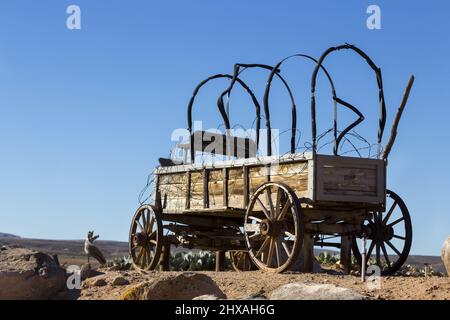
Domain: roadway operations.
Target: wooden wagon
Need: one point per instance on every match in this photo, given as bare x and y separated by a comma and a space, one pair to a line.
270, 212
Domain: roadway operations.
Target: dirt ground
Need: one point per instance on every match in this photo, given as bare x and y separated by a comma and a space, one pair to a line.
244, 284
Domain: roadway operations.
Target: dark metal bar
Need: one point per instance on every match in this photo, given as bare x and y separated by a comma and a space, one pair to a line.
382, 119
294, 111
222, 110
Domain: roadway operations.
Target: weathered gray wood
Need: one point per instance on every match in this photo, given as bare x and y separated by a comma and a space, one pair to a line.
205, 189
220, 261
346, 253
308, 253
225, 187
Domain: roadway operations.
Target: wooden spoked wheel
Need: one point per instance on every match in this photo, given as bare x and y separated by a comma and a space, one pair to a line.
241, 261
389, 236
145, 239
273, 227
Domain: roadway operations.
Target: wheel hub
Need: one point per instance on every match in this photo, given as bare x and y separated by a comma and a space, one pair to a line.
140, 238
269, 227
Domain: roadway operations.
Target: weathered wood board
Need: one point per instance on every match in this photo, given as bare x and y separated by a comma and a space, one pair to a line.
321, 179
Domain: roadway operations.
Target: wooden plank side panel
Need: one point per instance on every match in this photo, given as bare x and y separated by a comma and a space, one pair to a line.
346, 179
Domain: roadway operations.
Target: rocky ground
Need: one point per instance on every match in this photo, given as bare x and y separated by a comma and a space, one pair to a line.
238, 285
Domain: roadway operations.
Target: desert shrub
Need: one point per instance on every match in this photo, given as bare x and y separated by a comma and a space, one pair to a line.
123, 263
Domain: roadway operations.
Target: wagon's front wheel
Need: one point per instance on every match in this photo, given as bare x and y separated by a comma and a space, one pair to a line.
389, 236
273, 227
145, 239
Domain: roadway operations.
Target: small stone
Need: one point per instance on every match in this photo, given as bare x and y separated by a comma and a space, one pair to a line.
206, 297
99, 282
85, 271
120, 281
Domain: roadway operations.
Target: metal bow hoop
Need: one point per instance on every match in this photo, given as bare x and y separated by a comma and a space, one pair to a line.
238, 69
294, 113
382, 119
223, 113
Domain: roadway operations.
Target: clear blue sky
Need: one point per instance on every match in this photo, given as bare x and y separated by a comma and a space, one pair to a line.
84, 114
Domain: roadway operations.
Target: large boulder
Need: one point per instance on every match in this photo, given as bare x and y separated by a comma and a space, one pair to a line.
185, 286
27, 274
445, 255
314, 291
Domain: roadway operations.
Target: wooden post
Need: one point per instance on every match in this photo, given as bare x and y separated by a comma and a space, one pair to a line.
220, 261
308, 253
205, 188
225, 187
246, 185
188, 190
346, 253
165, 257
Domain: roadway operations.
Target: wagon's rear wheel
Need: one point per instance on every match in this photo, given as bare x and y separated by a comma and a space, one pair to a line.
273, 227
241, 261
389, 236
145, 239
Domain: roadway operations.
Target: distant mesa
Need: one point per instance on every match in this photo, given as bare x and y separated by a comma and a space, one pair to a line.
8, 235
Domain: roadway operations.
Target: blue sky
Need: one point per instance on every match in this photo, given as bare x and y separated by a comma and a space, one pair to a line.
84, 114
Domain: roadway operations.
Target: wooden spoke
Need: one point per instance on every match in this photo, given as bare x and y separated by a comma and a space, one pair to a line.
386, 219
378, 247
139, 224
144, 221
290, 235
286, 249
369, 252
150, 225
270, 253
270, 202
263, 247
399, 237
393, 248
396, 221
254, 218
278, 202
267, 213
277, 252
285, 210
386, 256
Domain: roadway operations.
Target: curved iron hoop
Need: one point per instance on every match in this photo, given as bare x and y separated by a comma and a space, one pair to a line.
294, 113
274, 71
382, 119
224, 115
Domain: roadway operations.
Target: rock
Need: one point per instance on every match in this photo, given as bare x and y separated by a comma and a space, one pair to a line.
120, 281
86, 271
27, 274
98, 282
185, 286
299, 264
302, 291
206, 297
445, 255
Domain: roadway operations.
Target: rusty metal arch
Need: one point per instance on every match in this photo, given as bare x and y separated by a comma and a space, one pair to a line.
237, 72
223, 114
294, 112
382, 117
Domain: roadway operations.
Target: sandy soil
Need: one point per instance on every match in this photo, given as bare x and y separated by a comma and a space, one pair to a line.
238, 285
